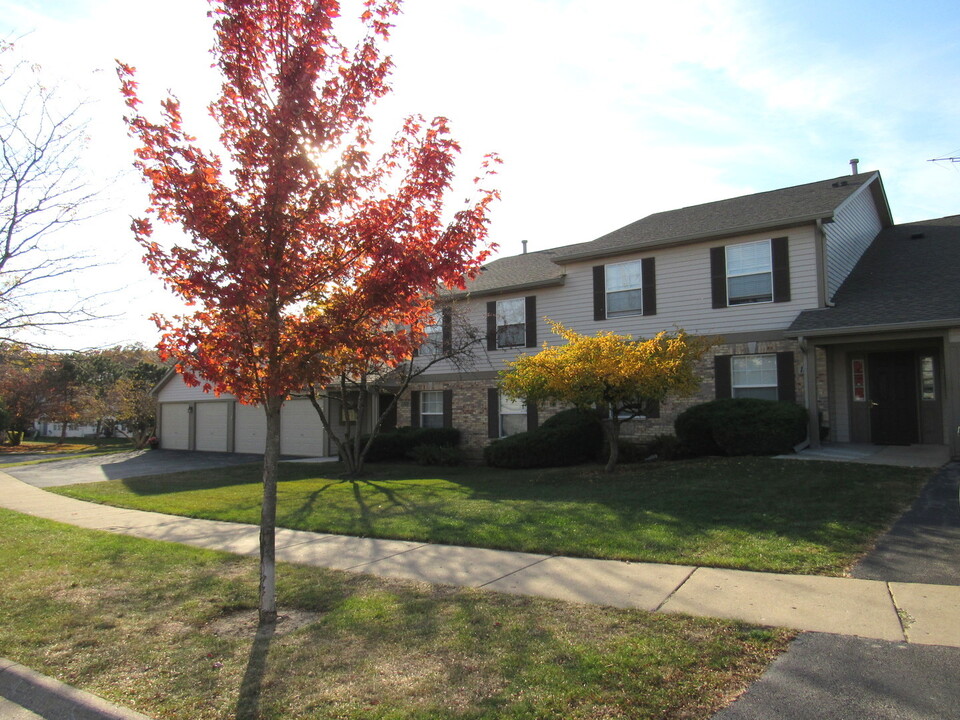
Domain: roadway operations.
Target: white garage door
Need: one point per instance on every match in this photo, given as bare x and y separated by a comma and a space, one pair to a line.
251, 429
175, 426
301, 432
211, 428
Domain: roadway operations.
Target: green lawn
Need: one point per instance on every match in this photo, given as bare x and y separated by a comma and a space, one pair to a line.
748, 513
170, 630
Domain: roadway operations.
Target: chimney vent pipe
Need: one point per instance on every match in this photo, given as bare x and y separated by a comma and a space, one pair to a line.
524, 246
853, 166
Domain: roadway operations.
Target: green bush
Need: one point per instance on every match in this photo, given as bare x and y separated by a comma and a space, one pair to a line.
668, 447
396, 445
632, 452
742, 426
570, 437
436, 455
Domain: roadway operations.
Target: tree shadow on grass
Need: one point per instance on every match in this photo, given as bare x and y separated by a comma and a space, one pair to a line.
248, 703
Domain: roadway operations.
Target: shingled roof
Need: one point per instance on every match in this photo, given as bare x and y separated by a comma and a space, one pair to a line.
724, 218
517, 272
908, 277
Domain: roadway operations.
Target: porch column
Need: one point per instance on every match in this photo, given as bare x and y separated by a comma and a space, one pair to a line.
951, 405
809, 351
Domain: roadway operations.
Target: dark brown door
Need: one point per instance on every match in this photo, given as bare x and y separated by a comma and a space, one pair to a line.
893, 398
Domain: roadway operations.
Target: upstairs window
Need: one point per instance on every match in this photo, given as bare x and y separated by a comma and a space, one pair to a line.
433, 344
512, 323
624, 286
749, 273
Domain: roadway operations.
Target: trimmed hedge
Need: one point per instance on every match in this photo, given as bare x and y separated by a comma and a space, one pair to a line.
741, 426
570, 437
394, 445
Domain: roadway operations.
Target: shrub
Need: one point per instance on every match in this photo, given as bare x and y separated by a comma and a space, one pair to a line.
742, 426
632, 452
570, 437
436, 455
668, 447
394, 445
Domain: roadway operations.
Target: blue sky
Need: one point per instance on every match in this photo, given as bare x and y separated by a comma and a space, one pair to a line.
604, 111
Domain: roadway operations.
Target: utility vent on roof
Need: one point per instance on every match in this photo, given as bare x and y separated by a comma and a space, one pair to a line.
917, 236
840, 183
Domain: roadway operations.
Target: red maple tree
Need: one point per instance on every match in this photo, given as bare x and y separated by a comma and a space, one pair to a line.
304, 249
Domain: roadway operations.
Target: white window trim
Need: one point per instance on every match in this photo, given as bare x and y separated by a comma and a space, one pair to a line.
776, 380
523, 304
607, 291
729, 275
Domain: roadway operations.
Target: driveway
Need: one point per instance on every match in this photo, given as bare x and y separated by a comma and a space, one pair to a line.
134, 463
832, 677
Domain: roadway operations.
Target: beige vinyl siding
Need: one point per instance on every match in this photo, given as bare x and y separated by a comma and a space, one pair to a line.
683, 299
856, 223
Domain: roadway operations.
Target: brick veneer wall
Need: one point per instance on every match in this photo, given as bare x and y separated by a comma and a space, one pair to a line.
470, 398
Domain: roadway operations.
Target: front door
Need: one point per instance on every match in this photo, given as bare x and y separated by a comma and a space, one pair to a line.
893, 398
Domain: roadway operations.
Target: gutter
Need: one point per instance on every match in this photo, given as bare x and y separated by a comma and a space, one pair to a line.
552, 282
889, 327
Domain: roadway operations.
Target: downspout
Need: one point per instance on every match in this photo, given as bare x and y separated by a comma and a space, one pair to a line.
822, 260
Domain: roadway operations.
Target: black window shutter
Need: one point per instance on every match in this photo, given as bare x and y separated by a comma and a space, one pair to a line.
786, 387
648, 270
415, 408
718, 276
780, 252
448, 408
530, 319
493, 413
652, 408
446, 320
533, 421
492, 325
721, 376
599, 293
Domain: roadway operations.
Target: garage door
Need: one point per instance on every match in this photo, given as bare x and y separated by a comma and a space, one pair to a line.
301, 432
175, 426
211, 428
251, 429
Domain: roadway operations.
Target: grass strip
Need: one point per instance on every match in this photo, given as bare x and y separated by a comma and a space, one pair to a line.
747, 513
170, 631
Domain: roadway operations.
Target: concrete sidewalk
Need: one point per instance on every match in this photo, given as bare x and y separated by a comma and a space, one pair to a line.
894, 611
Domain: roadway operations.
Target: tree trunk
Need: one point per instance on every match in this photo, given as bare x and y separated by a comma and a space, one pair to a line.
611, 428
268, 515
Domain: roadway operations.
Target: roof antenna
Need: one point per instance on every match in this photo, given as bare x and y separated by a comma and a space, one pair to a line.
853, 165
524, 246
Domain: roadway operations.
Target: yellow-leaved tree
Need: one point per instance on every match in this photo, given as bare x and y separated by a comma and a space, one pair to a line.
615, 374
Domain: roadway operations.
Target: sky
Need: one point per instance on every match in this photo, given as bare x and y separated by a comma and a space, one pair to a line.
603, 111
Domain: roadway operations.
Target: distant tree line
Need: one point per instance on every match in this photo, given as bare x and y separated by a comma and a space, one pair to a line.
108, 390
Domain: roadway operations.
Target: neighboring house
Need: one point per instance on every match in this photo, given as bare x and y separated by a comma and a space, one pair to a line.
813, 294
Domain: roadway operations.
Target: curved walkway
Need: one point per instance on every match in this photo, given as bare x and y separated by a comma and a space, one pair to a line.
894, 611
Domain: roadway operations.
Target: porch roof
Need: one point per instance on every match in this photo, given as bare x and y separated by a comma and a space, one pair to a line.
909, 277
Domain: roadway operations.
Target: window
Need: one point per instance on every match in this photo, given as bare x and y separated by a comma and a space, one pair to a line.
749, 273
431, 409
928, 382
624, 285
511, 323
513, 417
433, 344
754, 376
